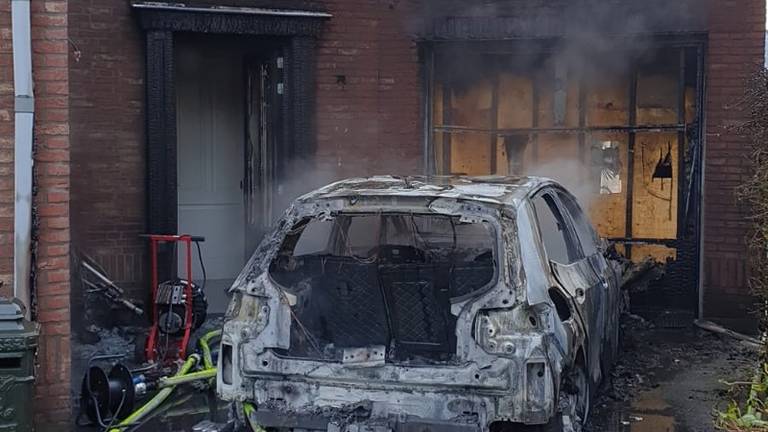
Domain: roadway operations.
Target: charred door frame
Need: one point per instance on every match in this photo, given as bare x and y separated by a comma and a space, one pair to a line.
160, 21
689, 222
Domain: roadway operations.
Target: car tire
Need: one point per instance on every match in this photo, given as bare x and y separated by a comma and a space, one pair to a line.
580, 379
558, 423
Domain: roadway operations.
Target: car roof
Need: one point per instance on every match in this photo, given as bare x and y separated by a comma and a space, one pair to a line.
499, 190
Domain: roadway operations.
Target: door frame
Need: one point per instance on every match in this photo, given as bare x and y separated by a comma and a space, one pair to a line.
160, 22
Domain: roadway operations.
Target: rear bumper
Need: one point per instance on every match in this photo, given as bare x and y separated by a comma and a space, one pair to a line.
392, 398
320, 422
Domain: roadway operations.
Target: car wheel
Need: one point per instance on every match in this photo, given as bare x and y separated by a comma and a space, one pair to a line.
573, 407
582, 399
575, 400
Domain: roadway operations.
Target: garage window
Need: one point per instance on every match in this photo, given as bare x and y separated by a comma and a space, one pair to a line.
619, 128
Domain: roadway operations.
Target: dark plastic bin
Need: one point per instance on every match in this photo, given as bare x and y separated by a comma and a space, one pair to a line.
18, 345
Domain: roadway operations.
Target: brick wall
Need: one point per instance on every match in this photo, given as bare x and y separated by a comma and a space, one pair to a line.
6, 150
52, 169
371, 124
108, 149
736, 49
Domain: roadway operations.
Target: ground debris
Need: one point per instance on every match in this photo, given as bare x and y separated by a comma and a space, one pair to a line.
675, 374
639, 276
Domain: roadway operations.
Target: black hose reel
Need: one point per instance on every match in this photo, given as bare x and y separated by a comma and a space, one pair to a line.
105, 398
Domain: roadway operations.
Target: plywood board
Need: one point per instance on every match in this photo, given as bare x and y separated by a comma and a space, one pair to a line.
608, 103
654, 208
515, 100
657, 97
659, 253
471, 107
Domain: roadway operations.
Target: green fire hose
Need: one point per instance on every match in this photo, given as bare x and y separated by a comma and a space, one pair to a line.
168, 384
203, 342
186, 378
248, 410
157, 400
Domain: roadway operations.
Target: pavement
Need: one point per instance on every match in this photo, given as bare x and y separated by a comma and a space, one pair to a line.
669, 380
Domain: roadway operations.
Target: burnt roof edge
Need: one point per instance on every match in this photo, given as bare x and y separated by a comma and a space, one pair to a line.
178, 17
181, 7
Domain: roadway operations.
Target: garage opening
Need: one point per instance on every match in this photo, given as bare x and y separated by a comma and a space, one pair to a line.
621, 129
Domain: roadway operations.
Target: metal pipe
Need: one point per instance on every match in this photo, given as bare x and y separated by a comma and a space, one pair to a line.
24, 118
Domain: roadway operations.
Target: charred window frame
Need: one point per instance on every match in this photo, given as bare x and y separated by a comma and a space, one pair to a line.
442, 125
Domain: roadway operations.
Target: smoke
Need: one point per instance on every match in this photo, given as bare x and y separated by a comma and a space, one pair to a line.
301, 176
559, 43
572, 175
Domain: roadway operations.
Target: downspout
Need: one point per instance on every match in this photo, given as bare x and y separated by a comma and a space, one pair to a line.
24, 108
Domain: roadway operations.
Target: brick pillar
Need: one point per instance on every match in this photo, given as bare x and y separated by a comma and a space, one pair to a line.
736, 50
52, 281
6, 150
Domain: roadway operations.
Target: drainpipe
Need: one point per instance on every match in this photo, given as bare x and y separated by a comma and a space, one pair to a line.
22, 168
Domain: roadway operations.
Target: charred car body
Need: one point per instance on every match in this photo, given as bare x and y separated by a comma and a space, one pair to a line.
449, 303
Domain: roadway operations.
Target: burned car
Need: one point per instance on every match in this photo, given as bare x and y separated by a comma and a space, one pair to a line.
434, 303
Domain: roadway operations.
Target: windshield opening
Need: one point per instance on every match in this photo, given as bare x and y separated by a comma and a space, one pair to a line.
363, 280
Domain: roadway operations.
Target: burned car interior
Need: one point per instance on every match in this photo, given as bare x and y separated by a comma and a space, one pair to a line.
385, 279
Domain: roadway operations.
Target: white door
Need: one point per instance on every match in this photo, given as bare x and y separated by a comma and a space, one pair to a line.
211, 131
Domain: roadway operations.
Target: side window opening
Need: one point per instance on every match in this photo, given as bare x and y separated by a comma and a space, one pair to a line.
587, 236
360, 236
558, 242
313, 239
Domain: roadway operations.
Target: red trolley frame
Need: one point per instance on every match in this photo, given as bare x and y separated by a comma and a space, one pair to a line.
150, 350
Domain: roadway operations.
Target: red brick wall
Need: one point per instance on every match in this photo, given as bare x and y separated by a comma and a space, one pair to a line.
736, 47
50, 66
6, 150
107, 129
370, 125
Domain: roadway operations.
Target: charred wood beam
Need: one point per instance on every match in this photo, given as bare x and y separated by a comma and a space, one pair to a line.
426, 66
161, 142
494, 124
631, 160
561, 130
582, 118
534, 138
681, 146
183, 19
671, 243
447, 118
